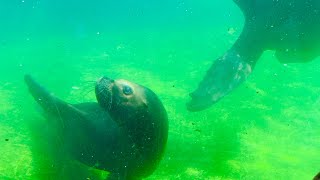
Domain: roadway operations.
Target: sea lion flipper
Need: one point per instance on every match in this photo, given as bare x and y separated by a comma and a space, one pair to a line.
51, 104
226, 73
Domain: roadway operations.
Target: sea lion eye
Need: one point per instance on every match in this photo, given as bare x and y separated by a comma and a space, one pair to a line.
127, 90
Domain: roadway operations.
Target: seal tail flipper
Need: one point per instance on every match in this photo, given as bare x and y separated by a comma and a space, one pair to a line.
317, 177
46, 100
228, 71
225, 74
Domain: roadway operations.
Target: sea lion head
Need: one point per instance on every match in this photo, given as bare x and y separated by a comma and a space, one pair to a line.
127, 101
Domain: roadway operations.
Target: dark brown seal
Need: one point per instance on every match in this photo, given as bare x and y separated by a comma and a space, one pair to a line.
124, 133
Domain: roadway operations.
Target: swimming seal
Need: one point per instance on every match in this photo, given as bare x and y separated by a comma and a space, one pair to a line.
125, 133
290, 27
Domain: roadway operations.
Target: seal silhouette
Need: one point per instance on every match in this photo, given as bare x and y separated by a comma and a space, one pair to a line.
289, 27
125, 132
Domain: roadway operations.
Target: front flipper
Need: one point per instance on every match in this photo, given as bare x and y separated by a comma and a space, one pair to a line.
47, 101
230, 70
225, 74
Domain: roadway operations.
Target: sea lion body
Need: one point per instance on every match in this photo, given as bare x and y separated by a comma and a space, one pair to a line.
128, 140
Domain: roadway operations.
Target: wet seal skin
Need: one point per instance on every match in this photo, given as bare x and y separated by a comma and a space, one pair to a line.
124, 133
317, 177
291, 28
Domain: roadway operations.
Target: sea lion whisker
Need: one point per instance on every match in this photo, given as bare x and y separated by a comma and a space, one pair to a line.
101, 91
59, 114
87, 84
110, 101
89, 81
87, 92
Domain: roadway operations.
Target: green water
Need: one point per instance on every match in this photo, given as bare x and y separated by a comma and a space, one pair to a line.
268, 128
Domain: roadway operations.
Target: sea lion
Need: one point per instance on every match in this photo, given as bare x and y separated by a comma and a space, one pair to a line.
290, 27
125, 133
317, 177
